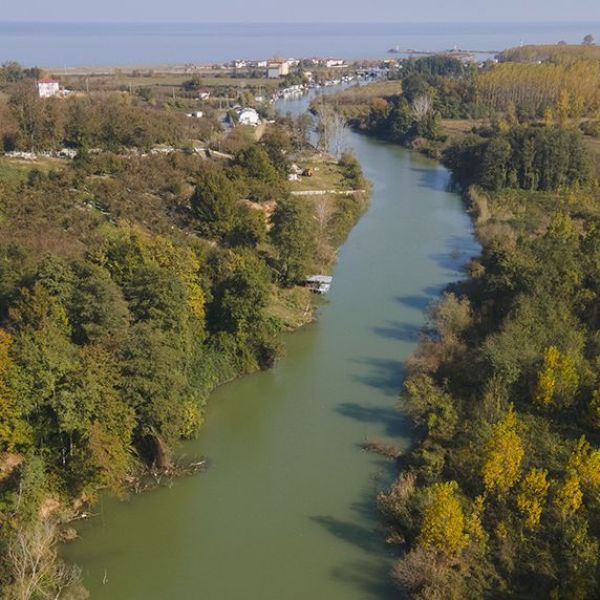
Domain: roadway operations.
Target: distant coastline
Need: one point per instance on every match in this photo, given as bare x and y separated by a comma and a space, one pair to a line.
127, 44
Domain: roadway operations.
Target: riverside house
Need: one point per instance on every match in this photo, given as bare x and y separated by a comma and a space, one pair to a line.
47, 88
278, 69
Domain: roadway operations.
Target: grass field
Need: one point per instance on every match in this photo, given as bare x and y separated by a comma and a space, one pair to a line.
326, 175
593, 145
159, 80
365, 93
459, 127
17, 170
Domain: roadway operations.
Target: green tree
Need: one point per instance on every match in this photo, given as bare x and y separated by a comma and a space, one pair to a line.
98, 309
264, 179
155, 386
495, 164
214, 203
250, 228
294, 238
155, 295
15, 431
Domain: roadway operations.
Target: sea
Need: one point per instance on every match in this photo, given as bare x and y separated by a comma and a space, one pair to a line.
109, 44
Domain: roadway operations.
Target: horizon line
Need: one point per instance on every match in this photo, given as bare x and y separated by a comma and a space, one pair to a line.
326, 23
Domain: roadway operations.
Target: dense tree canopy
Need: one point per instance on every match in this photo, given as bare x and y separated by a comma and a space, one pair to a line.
131, 285
530, 158
499, 494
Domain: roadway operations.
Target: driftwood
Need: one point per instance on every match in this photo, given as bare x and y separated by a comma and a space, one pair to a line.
157, 476
382, 448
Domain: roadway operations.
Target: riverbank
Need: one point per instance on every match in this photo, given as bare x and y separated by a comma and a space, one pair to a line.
499, 491
133, 284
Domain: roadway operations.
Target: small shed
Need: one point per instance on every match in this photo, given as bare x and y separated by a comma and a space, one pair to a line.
320, 284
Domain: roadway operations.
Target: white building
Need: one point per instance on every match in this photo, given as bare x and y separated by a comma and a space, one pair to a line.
204, 94
248, 116
278, 69
334, 62
47, 88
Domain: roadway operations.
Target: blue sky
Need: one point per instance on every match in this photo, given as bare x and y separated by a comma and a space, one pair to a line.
302, 10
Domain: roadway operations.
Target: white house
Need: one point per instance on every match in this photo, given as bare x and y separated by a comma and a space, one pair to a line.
334, 62
248, 116
47, 88
278, 69
204, 94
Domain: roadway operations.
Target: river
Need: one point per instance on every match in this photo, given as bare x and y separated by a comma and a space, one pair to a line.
286, 510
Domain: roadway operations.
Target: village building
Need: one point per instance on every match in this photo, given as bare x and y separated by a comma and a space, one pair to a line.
278, 69
332, 63
47, 88
248, 116
204, 94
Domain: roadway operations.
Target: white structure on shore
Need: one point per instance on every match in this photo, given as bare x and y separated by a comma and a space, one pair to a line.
278, 69
248, 116
332, 63
47, 88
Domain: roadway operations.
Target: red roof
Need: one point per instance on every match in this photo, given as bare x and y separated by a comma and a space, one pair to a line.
47, 81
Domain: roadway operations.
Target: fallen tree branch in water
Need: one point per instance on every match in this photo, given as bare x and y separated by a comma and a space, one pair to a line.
382, 448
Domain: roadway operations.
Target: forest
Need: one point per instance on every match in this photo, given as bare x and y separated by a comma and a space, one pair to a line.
426, 98
499, 496
131, 285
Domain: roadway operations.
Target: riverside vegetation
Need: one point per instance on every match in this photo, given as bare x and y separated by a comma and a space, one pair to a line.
132, 284
500, 494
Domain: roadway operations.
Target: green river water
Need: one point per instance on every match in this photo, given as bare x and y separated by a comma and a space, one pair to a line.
286, 509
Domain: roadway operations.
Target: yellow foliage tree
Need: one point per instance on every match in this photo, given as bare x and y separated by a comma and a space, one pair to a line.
546, 385
14, 430
569, 497
594, 409
443, 526
572, 89
569, 379
473, 525
585, 461
503, 456
548, 117
558, 381
532, 497
563, 105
